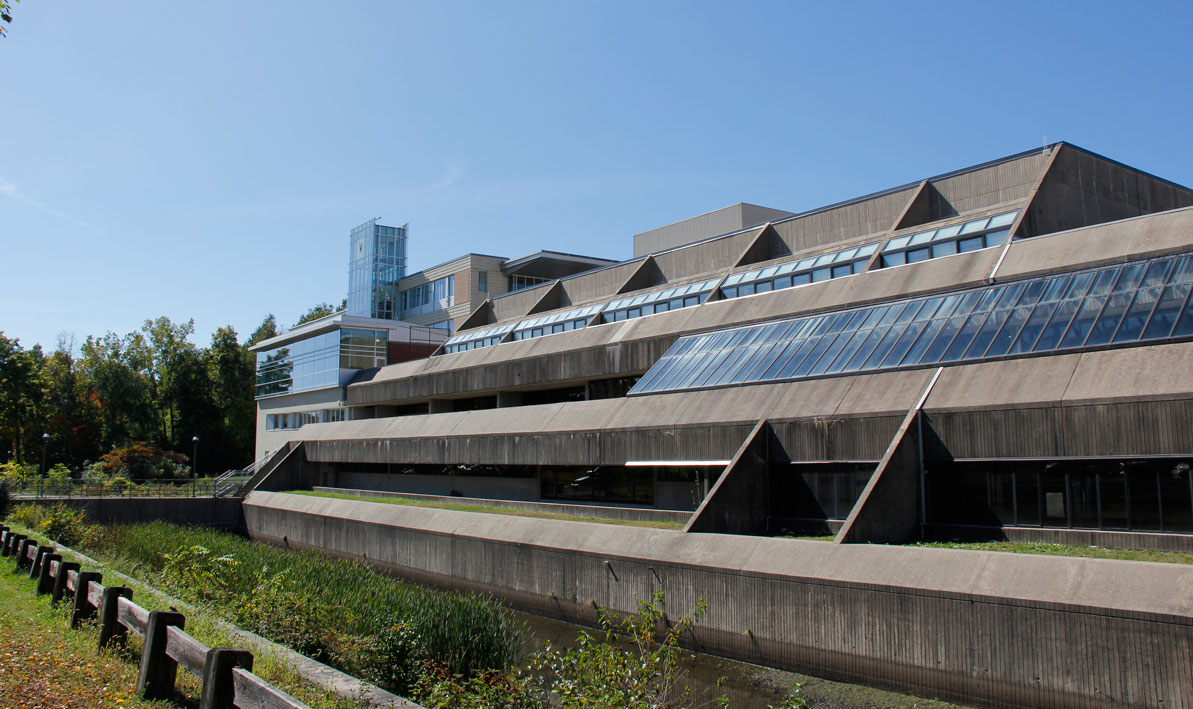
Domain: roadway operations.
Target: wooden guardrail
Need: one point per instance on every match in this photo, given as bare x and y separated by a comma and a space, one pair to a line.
225, 673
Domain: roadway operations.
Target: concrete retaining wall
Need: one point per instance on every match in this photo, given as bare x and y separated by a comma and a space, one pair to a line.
222, 512
986, 628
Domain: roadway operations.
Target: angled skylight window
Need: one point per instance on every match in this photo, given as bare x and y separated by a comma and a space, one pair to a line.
1141, 301
946, 241
797, 273
476, 339
659, 301
556, 322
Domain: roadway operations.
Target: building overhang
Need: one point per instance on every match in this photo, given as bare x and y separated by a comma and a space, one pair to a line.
552, 264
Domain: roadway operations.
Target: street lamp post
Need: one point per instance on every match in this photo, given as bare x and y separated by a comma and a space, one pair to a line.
45, 441
195, 459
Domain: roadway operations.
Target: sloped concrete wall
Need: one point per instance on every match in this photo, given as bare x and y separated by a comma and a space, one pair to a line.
986, 628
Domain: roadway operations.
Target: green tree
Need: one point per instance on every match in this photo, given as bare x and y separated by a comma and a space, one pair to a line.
6, 15
22, 392
114, 381
169, 360
71, 414
232, 369
267, 329
319, 311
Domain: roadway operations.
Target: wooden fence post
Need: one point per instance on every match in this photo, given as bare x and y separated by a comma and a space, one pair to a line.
64, 569
23, 543
109, 629
45, 575
35, 567
218, 691
82, 609
156, 678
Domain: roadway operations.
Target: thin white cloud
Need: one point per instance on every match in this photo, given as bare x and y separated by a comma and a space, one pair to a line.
451, 174
10, 190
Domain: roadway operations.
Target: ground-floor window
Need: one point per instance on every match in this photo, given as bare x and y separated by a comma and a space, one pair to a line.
298, 419
821, 491
1151, 494
632, 485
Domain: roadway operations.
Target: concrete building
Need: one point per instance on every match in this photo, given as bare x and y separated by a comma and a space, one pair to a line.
1003, 351
445, 295
735, 217
998, 351
391, 317
301, 373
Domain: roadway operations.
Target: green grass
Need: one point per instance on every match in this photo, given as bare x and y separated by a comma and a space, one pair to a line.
486, 509
201, 623
45, 663
1169, 557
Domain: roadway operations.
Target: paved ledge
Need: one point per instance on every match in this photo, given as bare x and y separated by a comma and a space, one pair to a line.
1105, 584
632, 514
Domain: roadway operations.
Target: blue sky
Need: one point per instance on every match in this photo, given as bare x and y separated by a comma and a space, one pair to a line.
207, 160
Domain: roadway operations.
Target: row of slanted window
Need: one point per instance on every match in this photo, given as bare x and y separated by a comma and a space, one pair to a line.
975, 234
1141, 301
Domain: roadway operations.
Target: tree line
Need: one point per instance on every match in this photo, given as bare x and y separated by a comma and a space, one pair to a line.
151, 386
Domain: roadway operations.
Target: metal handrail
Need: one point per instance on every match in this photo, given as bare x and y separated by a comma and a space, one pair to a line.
44, 488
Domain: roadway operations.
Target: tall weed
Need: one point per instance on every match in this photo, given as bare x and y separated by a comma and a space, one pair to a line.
316, 603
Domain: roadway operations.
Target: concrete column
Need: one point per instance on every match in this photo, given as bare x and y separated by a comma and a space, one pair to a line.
888, 510
739, 502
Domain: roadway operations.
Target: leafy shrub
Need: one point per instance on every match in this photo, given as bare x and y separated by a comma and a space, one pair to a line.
28, 515
437, 689
393, 658
58, 473
195, 568
141, 461
63, 524
17, 473
602, 673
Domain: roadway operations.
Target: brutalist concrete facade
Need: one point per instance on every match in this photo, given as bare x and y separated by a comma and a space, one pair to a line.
1086, 443
530, 397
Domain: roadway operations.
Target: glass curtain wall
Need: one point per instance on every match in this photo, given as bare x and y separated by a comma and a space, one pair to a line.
316, 362
377, 260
